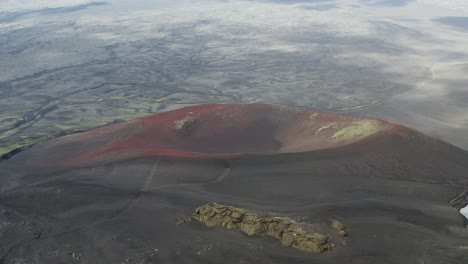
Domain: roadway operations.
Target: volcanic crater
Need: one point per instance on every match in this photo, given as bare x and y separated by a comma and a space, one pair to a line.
115, 193
217, 130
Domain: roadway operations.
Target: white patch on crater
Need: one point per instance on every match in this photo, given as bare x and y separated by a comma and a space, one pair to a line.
182, 123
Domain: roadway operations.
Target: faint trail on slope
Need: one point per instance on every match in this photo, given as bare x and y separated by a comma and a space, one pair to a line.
225, 172
140, 193
219, 178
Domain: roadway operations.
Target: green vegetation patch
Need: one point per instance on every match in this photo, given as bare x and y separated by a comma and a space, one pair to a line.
358, 129
9, 149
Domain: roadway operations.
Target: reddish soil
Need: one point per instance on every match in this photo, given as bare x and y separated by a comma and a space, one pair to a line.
213, 130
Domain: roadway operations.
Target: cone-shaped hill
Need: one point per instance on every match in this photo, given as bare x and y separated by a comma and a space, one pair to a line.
263, 183
215, 131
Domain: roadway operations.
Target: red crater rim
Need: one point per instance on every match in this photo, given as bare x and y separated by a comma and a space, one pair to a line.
219, 130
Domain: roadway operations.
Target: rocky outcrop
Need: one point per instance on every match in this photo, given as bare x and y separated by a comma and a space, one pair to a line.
339, 227
292, 233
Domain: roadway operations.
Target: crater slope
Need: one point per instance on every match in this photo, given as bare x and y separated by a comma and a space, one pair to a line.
125, 193
215, 130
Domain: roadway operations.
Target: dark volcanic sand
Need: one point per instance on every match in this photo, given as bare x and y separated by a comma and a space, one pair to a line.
114, 195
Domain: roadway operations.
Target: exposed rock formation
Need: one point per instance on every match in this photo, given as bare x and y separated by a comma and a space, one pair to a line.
291, 233
339, 227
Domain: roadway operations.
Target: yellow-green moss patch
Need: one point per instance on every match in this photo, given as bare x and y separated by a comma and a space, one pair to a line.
358, 129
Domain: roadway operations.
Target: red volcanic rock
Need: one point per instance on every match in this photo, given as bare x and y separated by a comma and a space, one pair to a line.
218, 130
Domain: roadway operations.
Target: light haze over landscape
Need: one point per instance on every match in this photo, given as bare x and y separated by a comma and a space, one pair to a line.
234, 131
69, 66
